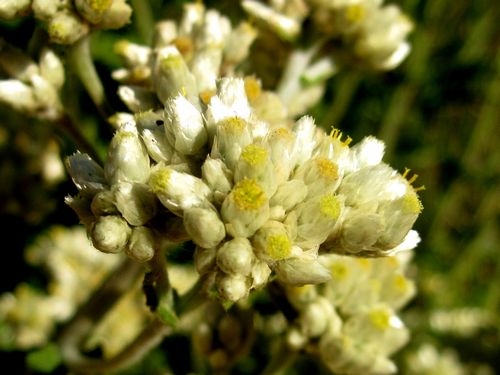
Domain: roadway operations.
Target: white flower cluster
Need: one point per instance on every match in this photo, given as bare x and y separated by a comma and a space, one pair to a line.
254, 196
220, 163
75, 269
33, 88
351, 321
190, 55
369, 32
69, 20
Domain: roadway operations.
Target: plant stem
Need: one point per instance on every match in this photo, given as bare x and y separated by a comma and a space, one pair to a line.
144, 19
77, 329
81, 61
149, 338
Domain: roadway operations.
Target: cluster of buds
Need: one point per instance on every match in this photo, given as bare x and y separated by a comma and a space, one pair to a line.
67, 21
351, 322
256, 191
33, 88
75, 269
364, 32
254, 196
188, 56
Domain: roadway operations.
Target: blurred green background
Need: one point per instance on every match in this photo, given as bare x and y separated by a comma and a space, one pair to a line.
439, 114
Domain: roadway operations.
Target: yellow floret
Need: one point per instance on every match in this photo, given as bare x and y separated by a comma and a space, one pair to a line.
330, 206
380, 318
158, 181
254, 155
355, 13
278, 247
327, 168
252, 88
233, 124
248, 195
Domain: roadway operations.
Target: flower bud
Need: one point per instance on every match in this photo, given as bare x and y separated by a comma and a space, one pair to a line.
236, 256
17, 95
135, 201
103, 203
117, 15
66, 28
361, 230
232, 135
232, 287
151, 128
316, 219
184, 126
110, 234
172, 76
128, 159
301, 270
46, 9
272, 242
204, 226
137, 99
12, 8
218, 176
260, 273
92, 10
238, 43
51, 68
320, 175
178, 191
289, 194
286, 27
141, 246
254, 163
315, 317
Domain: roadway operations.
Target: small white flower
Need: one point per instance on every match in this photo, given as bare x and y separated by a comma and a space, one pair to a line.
128, 159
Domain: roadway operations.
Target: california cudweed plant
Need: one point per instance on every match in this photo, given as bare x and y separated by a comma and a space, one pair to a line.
210, 159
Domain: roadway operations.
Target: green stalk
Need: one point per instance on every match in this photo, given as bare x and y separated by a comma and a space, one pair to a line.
80, 59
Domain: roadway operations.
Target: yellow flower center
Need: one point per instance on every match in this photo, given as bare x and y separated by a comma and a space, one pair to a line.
252, 88
330, 206
233, 124
279, 247
254, 155
380, 319
158, 181
339, 271
327, 169
411, 203
100, 6
355, 13
248, 195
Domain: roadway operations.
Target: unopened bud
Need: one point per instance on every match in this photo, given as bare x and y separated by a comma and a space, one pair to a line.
110, 234
117, 15
204, 226
236, 256
232, 287
141, 246
66, 28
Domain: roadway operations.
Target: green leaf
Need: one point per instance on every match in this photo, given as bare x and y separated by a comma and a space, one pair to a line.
45, 359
